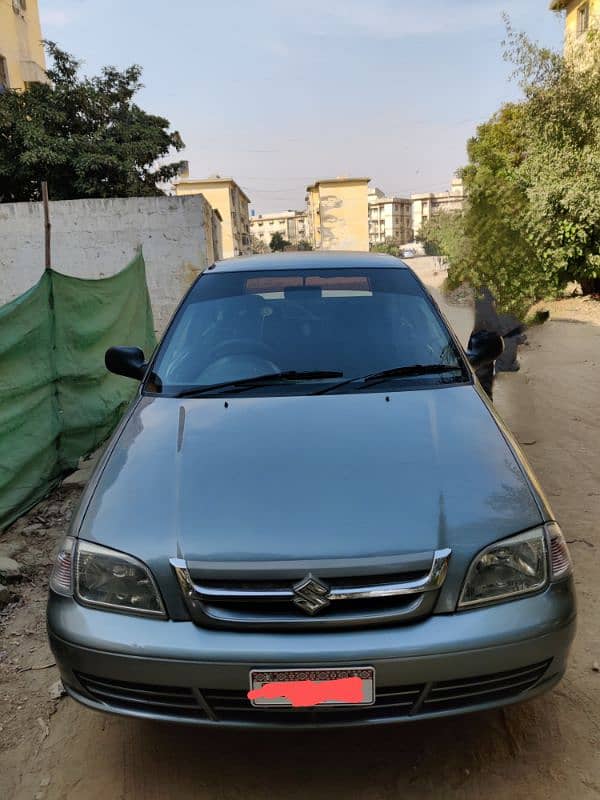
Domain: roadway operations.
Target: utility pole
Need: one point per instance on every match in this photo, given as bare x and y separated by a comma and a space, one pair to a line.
47, 225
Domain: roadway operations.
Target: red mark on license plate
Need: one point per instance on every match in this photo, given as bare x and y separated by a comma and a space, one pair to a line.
304, 694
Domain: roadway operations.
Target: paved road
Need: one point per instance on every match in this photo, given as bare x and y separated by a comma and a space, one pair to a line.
547, 748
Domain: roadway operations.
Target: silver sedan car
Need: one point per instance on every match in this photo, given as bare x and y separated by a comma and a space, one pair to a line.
310, 516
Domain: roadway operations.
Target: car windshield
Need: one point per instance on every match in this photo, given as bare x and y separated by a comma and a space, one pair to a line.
317, 327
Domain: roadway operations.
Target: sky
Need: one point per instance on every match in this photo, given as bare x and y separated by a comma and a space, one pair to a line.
278, 93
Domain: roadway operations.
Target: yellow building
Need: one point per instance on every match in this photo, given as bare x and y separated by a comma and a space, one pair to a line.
226, 197
581, 16
338, 214
21, 52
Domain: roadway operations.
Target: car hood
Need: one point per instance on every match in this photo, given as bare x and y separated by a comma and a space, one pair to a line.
284, 478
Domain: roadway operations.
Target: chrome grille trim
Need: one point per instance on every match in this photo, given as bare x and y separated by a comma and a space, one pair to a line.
209, 603
381, 600
324, 567
431, 582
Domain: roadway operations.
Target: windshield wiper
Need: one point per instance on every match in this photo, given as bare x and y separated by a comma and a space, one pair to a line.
397, 372
261, 380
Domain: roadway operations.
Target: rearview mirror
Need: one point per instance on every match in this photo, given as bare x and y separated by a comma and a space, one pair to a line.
484, 348
127, 361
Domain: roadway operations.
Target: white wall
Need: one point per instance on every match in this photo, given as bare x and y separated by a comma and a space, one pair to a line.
96, 238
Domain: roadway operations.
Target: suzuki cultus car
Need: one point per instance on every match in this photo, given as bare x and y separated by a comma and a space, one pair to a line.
310, 515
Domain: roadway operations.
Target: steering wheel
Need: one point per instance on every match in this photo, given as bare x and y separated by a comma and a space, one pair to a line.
253, 358
238, 346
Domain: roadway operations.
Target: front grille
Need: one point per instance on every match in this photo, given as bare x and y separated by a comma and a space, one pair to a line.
484, 689
234, 706
390, 702
355, 613
177, 701
396, 702
314, 596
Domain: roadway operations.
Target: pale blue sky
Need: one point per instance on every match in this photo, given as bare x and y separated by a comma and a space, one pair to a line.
277, 93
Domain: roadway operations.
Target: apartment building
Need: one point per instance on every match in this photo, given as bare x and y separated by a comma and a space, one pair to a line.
229, 199
390, 218
427, 205
338, 214
22, 58
581, 16
292, 225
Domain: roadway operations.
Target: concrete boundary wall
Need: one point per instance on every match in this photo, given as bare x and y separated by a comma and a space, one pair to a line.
179, 236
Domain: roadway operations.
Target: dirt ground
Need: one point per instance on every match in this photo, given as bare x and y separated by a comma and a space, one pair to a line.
52, 749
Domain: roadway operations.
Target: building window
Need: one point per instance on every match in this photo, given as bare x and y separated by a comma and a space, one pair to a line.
583, 18
4, 84
19, 5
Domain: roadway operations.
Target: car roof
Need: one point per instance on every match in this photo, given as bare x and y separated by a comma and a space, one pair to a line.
314, 259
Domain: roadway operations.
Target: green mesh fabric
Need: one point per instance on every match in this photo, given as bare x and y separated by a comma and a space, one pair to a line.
57, 401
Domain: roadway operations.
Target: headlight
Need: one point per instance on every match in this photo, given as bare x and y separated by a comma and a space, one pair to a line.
507, 569
114, 581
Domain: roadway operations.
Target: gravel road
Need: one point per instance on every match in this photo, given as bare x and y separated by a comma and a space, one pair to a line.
547, 748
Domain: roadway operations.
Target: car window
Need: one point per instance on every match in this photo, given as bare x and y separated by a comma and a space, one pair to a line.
237, 325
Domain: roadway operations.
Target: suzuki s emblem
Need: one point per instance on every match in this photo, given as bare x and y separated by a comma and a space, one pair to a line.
311, 594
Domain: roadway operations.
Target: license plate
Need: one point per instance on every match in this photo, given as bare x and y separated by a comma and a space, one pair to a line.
307, 688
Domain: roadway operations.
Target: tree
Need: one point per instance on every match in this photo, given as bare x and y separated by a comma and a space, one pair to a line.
390, 247
532, 221
443, 235
278, 243
257, 245
489, 245
84, 136
561, 171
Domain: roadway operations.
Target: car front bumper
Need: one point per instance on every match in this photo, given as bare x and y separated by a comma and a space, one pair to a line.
446, 664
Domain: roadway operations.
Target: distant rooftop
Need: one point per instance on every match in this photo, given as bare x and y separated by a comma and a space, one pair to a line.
457, 189
210, 179
338, 179
376, 196
289, 214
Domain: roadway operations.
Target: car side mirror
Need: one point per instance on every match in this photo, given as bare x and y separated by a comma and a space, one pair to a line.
484, 348
127, 361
